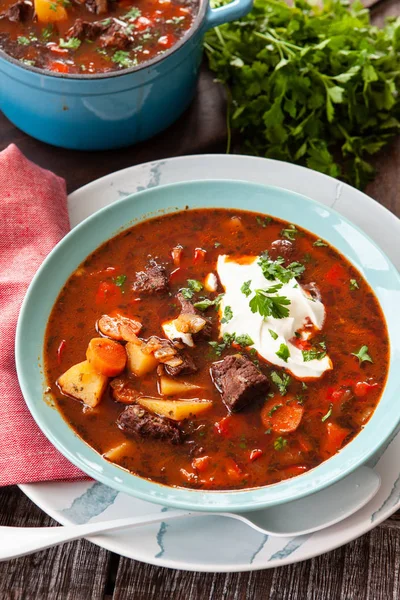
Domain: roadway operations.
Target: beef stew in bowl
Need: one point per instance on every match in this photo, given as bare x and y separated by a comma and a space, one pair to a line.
216, 349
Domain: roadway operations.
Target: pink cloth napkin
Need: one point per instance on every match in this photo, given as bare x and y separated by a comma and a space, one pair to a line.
33, 218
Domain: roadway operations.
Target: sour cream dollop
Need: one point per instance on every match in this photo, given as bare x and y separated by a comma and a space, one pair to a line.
306, 316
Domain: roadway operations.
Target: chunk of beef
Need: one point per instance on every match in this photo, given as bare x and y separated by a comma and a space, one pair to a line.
187, 308
139, 422
153, 280
187, 367
239, 381
115, 36
97, 6
83, 30
20, 12
283, 248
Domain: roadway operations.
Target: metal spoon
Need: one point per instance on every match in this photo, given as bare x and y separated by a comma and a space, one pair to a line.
299, 517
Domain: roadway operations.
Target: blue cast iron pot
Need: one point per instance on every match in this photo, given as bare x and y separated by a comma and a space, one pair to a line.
110, 110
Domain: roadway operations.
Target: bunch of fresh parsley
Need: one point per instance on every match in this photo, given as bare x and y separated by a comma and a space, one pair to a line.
309, 84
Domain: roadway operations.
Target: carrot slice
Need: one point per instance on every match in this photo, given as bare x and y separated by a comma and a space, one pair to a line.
106, 356
282, 418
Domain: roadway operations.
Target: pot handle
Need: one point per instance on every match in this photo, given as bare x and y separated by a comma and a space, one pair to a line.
229, 12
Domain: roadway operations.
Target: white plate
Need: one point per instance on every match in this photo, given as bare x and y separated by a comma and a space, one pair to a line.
220, 544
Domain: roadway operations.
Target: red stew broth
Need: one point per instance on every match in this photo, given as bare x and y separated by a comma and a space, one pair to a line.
153, 27
353, 319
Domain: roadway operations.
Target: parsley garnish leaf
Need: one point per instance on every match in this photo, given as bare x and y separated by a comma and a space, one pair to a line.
280, 443
354, 284
228, 315
313, 354
120, 280
290, 232
282, 382
227, 340
263, 222
71, 44
244, 340
275, 269
363, 355
273, 334
245, 289
269, 306
195, 285
328, 414
319, 242
283, 352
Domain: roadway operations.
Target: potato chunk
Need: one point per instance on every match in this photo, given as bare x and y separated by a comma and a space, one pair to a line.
172, 387
118, 453
177, 410
139, 362
83, 383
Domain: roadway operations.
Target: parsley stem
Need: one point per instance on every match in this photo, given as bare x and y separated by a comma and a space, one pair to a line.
220, 36
228, 120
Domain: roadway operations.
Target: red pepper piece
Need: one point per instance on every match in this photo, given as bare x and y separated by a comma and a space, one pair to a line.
256, 453
176, 254
199, 255
201, 463
108, 292
362, 388
336, 274
223, 426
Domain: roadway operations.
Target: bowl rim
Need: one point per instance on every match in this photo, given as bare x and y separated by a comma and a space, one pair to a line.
182, 497
194, 28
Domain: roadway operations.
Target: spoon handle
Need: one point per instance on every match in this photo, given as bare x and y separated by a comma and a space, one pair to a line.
19, 541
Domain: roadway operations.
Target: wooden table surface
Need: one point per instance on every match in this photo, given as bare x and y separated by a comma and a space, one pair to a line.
368, 568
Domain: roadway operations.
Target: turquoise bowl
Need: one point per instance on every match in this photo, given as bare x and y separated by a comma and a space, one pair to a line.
91, 233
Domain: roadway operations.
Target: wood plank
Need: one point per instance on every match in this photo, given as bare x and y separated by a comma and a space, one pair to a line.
74, 571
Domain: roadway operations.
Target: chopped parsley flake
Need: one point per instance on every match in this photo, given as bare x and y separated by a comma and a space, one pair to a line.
134, 13
280, 443
263, 222
217, 244
313, 354
120, 280
228, 315
204, 304
319, 242
274, 409
245, 289
24, 41
244, 340
363, 355
328, 414
227, 340
290, 232
354, 284
195, 285
283, 352
71, 44
273, 334
47, 32
122, 58
275, 269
